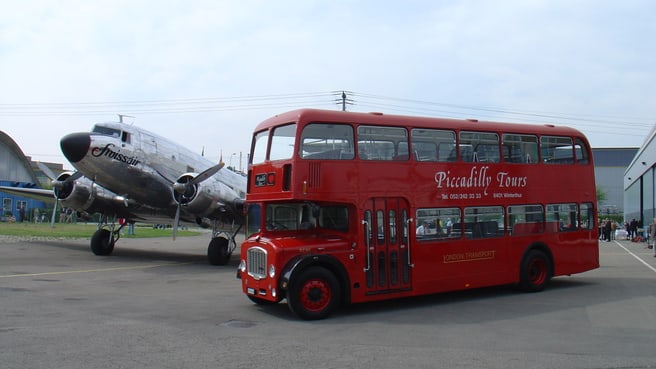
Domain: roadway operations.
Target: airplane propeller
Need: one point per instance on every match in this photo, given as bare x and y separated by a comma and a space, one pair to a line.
57, 186
176, 220
183, 188
186, 190
161, 170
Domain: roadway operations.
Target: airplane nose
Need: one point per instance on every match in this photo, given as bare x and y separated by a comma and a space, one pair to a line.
75, 146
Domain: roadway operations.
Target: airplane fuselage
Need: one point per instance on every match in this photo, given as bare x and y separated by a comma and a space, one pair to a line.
127, 173
137, 165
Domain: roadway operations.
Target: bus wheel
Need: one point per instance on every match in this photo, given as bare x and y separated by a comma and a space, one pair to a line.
314, 294
535, 271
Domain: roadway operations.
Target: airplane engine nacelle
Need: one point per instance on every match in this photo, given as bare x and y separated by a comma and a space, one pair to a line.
198, 198
76, 194
204, 199
82, 195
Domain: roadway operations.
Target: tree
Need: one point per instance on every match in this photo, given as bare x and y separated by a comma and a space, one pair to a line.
601, 195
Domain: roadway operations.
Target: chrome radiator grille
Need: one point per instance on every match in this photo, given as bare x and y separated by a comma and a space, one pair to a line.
256, 262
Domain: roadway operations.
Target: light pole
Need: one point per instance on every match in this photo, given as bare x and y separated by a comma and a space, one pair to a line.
231, 155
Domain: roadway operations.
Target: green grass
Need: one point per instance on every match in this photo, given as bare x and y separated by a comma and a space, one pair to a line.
83, 230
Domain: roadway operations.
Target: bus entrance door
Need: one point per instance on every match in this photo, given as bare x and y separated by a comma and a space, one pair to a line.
388, 256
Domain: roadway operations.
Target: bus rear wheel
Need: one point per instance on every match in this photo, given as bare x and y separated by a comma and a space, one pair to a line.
315, 294
535, 271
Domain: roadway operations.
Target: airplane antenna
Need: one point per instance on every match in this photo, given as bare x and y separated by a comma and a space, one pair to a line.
120, 117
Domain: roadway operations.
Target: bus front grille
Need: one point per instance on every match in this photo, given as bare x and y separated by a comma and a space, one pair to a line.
256, 262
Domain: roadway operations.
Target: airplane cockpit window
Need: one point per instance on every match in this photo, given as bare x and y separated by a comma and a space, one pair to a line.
107, 131
125, 137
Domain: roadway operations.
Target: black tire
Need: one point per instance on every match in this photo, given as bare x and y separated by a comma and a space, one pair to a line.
217, 251
314, 294
101, 243
535, 271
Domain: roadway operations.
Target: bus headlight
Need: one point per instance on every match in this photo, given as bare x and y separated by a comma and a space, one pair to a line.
242, 266
272, 271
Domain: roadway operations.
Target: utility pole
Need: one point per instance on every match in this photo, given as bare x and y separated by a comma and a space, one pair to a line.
344, 101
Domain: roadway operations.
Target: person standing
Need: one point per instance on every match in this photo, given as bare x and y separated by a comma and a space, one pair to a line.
627, 228
607, 228
21, 213
633, 229
613, 228
652, 243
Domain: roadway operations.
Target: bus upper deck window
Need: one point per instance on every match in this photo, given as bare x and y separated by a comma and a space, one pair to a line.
260, 142
479, 147
282, 142
433, 145
327, 141
520, 149
557, 150
382, 143
581, 152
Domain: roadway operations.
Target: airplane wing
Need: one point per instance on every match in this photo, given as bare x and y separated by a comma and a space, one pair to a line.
86, 197
40, 194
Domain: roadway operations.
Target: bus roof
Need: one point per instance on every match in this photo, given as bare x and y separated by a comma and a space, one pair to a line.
415, 121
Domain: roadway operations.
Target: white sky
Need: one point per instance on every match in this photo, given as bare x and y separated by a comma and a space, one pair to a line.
205, 73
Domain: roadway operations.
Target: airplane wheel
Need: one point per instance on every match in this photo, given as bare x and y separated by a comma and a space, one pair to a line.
101, 243
217, 251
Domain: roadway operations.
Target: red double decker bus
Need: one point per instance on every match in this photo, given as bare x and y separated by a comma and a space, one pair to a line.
351, 207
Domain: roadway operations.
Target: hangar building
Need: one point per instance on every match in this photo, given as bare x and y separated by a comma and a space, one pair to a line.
17, 170
610, 164
639, 183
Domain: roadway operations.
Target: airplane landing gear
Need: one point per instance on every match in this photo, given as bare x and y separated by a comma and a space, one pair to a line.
102, 242
220, 249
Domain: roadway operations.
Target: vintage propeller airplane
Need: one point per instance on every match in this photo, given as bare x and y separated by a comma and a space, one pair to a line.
125, 172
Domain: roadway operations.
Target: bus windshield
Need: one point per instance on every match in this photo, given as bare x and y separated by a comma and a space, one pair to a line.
302, 216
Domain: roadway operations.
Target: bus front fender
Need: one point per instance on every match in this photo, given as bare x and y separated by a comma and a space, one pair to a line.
299, 263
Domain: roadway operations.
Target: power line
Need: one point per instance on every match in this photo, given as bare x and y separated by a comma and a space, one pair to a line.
567, 116
631, 126
195, 105
324, 99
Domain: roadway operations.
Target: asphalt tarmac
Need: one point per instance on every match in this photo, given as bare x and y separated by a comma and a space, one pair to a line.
156, 303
